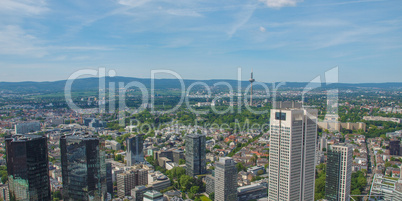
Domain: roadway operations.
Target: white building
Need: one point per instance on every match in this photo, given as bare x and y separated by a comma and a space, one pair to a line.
292, 154
27, 127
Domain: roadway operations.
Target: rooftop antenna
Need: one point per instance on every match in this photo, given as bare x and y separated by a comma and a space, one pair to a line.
251, 91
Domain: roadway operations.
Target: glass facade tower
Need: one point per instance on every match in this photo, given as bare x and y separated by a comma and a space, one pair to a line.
83, 167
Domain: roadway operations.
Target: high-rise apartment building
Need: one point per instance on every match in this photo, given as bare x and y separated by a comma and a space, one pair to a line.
339, 173
195, 154
130, 179
292, 154
225, 180
135, 149
27, 167
27, 127
83, 167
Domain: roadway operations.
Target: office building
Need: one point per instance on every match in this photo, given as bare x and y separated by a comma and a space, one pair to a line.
153, 196
4, 194
394, 147
83, 167
27, 167
210, 183
130, 179
339, 173
225, 180
292, 154
27, 127
135, 152
109, 179
138, 193
195, 155
252, 192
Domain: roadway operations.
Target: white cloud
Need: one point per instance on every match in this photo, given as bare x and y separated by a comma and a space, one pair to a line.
14, 41
280, 3
262, 29
28, 7
132, 3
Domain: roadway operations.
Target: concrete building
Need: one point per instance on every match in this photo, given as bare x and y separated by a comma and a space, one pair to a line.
210, 184
138, 193
153, 196
195, 155
339, 172
292, 154
27, 127
135, 149
225, 180
252, 192
4, 194
338, 126
128, 180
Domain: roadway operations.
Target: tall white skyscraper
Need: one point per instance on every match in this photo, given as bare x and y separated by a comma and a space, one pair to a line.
339, 172
225, 180
292, 154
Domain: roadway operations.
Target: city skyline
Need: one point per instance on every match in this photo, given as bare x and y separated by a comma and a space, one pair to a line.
291, 40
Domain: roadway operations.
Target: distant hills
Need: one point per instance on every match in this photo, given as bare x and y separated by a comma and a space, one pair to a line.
91, 84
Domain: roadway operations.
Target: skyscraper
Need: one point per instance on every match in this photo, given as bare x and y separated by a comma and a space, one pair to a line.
195, 154
83, 167
135, 152
109, 179
27, 167
339, 173
225, 180
394, 147
292, 154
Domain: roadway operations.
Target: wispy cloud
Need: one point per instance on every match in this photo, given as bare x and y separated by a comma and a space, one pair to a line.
15, 41
24, 7
280, 3
241, 18
347, 2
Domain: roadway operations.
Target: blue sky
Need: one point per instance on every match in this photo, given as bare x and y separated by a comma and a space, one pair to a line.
282, 40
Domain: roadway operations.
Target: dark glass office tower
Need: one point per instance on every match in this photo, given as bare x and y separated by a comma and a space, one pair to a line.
195, 155
332, 174
109, 178
394, 147
339, 172
83, 167
135, 149
27, 167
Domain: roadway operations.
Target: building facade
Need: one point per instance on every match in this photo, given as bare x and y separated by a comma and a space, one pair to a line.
129, 180
225, 180
27, 167
338, 173
195, 155
27, 127
153, 196
292, 154
83, 167
395, 147
135, 149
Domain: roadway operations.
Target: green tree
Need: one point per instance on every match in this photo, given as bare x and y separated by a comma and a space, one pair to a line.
194, 189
